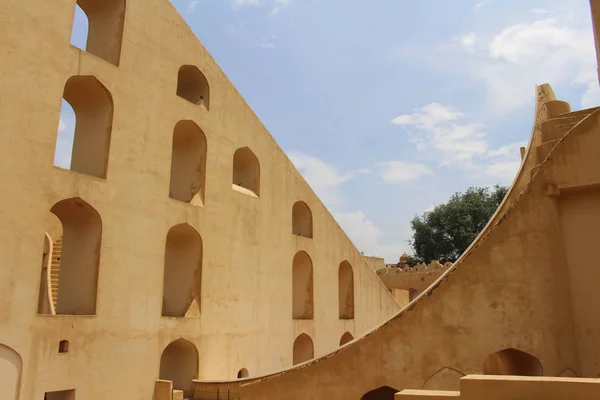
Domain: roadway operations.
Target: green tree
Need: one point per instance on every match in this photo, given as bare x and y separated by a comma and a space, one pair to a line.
445, 232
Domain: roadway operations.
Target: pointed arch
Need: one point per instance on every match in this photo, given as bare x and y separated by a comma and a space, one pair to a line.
382, 393
183, 272
303, 349
346, 337
92, 105
75, 260
444, 379
193, 86
302, 222
179, 364
512, 362
188, 163
346, 290
302, 287
246, 170
568, 372
106, 20
11, 365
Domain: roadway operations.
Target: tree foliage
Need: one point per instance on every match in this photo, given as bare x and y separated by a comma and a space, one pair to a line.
445, 232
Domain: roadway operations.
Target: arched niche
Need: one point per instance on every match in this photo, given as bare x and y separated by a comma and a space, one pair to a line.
183, 272
302, 222
179, 364
11, 366
346, 337
412, 294
444, 379
346, 291
246, 170
188, 163
302, 287
242, 373
75, 260
512, 362
303, 349
193, 86
382, 393
92, 105
106, 20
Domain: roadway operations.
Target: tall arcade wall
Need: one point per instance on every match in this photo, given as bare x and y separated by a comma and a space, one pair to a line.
181, 218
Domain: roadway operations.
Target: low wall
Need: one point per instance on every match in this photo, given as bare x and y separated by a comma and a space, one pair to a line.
490, 387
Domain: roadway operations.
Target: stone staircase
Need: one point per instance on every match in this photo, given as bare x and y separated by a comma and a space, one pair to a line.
561, 121
55, 270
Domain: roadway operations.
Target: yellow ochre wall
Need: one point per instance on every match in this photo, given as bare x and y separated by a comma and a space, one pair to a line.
247, 242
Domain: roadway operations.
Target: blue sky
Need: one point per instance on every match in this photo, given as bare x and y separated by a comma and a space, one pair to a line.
387, 107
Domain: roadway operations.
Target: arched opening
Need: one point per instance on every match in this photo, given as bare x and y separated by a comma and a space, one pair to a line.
382, 393
246, 170
10, 373
104, 34
192, 86
179, 364
346, 290
445, 379
92, 107
183, 272
303, 349
346, 337
242, 373
412, 294
65, 136
302, 287
188, 163
75, 260
302, 224
512, 362
63, 346
81, 28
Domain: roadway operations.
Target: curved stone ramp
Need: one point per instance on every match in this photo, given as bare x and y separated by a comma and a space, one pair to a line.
506, 291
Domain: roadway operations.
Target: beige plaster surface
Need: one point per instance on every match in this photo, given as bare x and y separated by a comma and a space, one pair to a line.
244, 315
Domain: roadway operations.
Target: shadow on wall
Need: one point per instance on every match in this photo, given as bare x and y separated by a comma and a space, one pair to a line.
512, 362
382, 393
179, 364
302, 287
183, 272
303, 349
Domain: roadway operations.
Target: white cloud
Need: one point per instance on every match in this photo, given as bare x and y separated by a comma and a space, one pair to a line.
400, 171
192, 6
322, 177
364, 171
246, 3
61, 125
481, 3
456, 144
428, 117
528, 54
279, 5
467, 41
525, 40
541, 11
366, 236
266, 44
438, 130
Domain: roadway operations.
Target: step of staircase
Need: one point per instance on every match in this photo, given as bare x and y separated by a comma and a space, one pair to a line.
584, 112
544, 149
